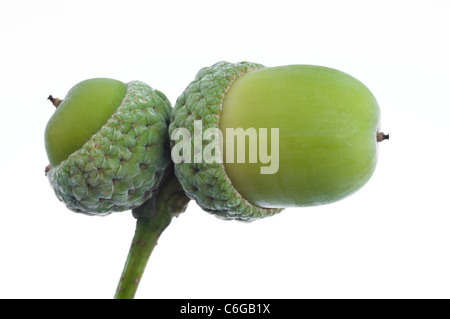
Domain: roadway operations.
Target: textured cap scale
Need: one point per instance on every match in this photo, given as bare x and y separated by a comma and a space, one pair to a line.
123, 163
208, 183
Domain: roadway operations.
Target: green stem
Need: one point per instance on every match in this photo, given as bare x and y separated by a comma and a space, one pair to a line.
152, 218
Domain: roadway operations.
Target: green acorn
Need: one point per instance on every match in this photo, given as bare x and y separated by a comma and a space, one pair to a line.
108, 148
107, 145
290, 136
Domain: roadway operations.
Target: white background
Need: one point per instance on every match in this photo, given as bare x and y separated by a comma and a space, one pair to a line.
389, 240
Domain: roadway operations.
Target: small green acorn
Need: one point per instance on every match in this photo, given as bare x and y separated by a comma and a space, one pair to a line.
297, 135
107, 145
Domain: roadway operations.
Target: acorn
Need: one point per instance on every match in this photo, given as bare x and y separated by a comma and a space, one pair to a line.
107, 145
249, 141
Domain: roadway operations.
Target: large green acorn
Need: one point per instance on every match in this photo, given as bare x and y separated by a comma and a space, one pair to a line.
249, 140
107, 145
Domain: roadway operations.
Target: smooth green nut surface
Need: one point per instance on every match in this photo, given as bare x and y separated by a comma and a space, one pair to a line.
83, 111
122, 162
326, 148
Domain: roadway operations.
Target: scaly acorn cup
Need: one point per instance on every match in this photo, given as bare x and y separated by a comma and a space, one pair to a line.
108, 148
249, 140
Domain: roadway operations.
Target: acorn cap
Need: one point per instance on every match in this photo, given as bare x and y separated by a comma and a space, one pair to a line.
208, 183
121, 166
